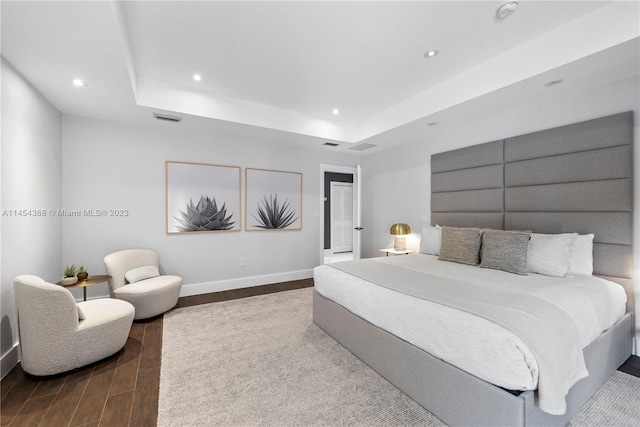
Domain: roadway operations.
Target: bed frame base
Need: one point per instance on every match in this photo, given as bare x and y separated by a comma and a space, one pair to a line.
454, 396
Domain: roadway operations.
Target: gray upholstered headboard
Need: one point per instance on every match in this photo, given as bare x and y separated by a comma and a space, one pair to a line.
574, 178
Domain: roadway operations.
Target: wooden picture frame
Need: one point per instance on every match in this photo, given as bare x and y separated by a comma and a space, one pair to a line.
273, 200
202, 198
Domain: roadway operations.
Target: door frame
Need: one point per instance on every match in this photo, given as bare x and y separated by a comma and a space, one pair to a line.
352, 170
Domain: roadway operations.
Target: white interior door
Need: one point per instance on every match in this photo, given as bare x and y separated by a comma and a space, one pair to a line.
356, 200
341, 217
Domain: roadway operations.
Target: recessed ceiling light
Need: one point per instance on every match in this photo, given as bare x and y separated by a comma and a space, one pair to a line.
197, 77
506, 9
335, 111
78, 82
431, 53
553, 83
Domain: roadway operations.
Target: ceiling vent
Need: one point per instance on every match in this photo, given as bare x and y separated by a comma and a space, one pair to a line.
330, 144
362, 147
167, 118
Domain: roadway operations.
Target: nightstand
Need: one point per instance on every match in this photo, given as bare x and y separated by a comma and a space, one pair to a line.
396, 252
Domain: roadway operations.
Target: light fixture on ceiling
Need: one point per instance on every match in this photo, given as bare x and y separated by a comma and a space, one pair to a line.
553, 83
432, 123
362, 147
335, 111
197, 77
78, 82
506, 9
431, 53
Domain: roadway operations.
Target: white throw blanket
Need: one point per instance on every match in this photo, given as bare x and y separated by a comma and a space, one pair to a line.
548, 331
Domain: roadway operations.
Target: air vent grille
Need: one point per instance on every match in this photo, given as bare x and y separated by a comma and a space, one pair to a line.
362, 147
167, 118
330, 144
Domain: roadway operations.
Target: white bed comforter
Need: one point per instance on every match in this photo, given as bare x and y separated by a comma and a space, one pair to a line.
474, 344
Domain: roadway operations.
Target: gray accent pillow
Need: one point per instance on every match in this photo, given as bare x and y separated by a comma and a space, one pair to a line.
460, 245
505, 250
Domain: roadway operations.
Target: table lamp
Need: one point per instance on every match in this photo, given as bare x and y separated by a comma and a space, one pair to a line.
400, 229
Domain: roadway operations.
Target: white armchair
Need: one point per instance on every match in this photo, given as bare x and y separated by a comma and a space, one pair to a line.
135, 278
58, 335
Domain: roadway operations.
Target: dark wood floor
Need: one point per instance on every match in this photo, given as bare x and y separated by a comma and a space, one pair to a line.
119, 391
122, 390
631, 366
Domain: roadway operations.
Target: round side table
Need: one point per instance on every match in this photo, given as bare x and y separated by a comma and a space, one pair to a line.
91, 280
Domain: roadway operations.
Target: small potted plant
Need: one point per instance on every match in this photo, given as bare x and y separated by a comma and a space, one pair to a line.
70, 275
82, 273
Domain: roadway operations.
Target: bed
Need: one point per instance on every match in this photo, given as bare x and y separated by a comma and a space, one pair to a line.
573, 179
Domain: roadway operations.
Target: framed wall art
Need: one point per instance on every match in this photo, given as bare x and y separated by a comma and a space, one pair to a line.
273, 200
202, 197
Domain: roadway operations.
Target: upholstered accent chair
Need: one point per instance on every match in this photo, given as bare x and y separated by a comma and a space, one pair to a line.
58, 335
135, 278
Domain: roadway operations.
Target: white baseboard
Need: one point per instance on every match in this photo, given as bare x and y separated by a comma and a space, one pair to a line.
225, 285
243, 282
9, 360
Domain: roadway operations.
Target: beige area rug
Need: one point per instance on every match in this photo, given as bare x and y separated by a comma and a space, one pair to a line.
261, 361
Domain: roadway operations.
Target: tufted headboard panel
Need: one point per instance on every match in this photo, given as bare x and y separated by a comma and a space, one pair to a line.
574, 178
467, 186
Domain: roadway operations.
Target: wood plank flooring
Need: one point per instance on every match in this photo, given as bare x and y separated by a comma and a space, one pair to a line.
122, 390
119, 391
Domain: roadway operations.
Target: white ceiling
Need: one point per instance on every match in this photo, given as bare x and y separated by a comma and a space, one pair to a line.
284, 66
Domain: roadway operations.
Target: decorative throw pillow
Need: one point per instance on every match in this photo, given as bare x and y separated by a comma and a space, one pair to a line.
505, 250
431, 240
549, 254
81, 315
460, 245
581, 261
141, 273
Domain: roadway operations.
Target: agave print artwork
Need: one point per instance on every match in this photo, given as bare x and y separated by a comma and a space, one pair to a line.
271, 214
205, 216
202, 197
273, 200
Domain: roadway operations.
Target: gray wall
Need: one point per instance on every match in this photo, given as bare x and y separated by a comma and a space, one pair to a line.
125, 169
31, 179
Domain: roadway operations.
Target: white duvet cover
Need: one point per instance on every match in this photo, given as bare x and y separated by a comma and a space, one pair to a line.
474, 344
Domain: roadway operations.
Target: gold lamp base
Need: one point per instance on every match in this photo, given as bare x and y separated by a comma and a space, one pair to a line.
400, 244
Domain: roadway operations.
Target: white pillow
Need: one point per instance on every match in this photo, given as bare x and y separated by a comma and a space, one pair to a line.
431, 240
581, 261
141, 273
549, 254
